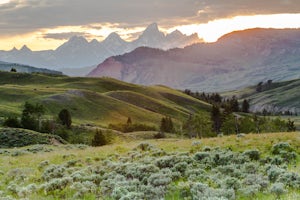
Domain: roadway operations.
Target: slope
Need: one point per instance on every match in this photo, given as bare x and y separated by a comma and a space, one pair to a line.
274, 97
235, 61
98, 101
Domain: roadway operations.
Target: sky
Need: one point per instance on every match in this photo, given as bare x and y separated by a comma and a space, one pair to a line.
46, 24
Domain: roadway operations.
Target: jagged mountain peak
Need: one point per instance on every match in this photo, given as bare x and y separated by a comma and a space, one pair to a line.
25, 48
152, 30
78, 51
77, 38
175, 34
14, 49
112, 37
94, 41
152, 27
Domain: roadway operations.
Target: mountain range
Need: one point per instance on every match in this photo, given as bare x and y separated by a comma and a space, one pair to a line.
236, 60
77, 52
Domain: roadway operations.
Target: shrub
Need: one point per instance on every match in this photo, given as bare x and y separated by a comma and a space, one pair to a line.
274, 172
12, 122
26, 191
83, 188
160, 135
160, 179
290, 179
202, 191
232, 183
201, 155
257, 180
277, 189
281, 146
43, 164
56, 184
252, 154
54, 171
145, 146
250, 191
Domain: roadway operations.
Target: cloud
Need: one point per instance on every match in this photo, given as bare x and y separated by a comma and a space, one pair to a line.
64, 36
19, 16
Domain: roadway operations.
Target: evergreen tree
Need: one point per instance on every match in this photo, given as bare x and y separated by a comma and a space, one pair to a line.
65, 118
291, 126
166, 125
245, 106
234, 104
99, 139
216, 118
188, 126
31, 116
129, 122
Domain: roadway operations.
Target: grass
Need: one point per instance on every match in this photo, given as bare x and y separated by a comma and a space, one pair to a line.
13, 137
90, 156
98, 101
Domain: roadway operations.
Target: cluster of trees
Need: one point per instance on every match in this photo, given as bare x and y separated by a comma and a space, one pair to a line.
261, 86
202, 125
198, 125
229, 104
229, 123
275, 112
32, 118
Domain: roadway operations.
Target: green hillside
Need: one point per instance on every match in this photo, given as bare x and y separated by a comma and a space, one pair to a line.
98, 101
13, 137
274, 97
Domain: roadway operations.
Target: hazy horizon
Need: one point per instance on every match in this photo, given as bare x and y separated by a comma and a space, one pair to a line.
44, 24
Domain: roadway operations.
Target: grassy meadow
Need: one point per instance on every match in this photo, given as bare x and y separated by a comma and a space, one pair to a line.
166, 169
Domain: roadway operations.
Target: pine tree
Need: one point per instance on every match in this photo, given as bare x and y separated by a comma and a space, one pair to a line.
216, 118
99, 139
129, 122
65, 118
245, 106
291, 126
234, 104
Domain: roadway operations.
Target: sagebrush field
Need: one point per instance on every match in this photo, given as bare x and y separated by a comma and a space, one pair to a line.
254, 166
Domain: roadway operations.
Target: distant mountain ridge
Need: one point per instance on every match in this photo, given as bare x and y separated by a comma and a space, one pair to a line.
5, 66
236, 60
77, 52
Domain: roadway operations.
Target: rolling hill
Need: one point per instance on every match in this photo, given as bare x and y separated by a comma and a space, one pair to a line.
235, 61
98, 101
274, 97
